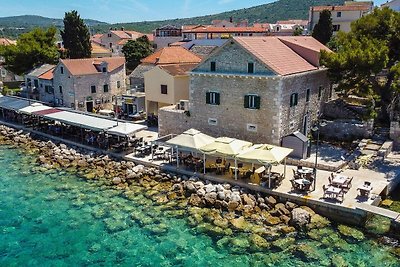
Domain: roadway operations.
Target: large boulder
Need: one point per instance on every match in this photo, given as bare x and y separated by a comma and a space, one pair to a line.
300, 218
247, 200
195, 200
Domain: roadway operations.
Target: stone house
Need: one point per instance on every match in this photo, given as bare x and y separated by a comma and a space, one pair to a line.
83, 84
259, 89
342, 16
39, 84
115, 39
166, 85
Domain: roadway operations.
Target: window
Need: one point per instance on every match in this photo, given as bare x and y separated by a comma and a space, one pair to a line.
250, 67
60, 89
93, 89
252, 101
213, 66
62, 70
109, 35
118, 84
320, 92
164, 89
251, 127
339, 14
104, 69
212, 121
212, 98
293, 99
110, 45
336, 28
105, 88
308, 95
48, 89
36, 83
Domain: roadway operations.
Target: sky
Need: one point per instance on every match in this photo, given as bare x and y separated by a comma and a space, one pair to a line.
113, 11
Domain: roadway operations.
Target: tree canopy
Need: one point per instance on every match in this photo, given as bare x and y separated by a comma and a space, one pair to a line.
367, 61
323, 29
76, 36
32, 50
135, 50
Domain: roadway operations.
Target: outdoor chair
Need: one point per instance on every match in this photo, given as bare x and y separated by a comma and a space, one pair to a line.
367, 183
294, 186
240, 165
296, 175
330, 180
347, 184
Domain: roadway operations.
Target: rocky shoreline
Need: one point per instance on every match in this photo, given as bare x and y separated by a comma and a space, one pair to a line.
219, 210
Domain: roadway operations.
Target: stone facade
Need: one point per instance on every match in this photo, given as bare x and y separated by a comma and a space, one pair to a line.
75, 90
268, 124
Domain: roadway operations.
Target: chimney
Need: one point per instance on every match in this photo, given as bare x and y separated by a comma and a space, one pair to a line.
122, 29
230, 19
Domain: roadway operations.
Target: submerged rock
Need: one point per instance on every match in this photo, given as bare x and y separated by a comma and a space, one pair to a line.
300, 218
351, 233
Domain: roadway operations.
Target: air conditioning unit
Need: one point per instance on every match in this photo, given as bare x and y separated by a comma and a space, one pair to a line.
184, 105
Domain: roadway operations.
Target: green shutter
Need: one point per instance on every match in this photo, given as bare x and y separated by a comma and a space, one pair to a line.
217, 98
296, 97
257, 102
246, 101
208, 98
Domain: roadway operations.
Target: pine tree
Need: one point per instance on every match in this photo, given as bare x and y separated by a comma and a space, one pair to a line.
76, 36
323, 29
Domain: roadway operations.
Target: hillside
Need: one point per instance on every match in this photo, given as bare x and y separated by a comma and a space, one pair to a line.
280, 10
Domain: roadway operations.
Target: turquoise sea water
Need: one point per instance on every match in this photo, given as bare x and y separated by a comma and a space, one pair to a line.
57, 219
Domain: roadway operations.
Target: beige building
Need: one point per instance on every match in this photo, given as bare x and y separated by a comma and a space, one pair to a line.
116, 39
84, 84
258, 89
99, 51
342, 16
166, 85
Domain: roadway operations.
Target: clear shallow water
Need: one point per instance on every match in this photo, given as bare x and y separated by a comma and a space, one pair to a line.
57, 219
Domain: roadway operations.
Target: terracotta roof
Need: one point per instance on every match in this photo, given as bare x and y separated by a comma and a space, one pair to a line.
191, 27
276, 54
150, 37
96, 38
342, 8
304, 41
48, 75
41, 70
226, 30
172, 55
127, 34
85, 66
293, 21
261, 25
5, 41
98, 49
178, 69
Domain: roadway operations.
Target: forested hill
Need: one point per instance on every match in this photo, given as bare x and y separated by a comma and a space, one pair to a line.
279, 10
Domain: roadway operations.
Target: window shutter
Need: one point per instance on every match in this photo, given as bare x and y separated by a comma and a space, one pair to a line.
246, 101
291, 100
217, 99
208, 98
296, 96
257, 102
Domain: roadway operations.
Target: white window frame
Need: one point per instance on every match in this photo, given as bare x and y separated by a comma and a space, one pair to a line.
251, 127
212, 121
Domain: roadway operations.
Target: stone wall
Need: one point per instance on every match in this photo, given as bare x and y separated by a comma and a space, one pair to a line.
173, 121
346, 130
395, 133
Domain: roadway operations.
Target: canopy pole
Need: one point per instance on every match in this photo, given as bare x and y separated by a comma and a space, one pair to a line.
152, 151
284, 170
269, 177
177, 157
236, 169
204, 163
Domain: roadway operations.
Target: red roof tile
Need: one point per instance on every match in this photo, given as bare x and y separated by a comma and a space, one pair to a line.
47, 111
85, 66
275, 54
5, 41
342, 8
178, 69
226, 30
48, 75
172, 55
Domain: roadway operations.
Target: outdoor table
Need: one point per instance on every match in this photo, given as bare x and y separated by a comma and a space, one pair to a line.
339, 180
305, 172
302, 183
365, 190
333, 192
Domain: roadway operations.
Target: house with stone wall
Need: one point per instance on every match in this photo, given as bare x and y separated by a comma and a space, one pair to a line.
86, 83
258, 89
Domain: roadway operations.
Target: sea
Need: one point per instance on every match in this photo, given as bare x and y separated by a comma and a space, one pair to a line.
57, 218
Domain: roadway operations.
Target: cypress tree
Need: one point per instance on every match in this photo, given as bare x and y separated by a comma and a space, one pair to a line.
323, 29
76, 36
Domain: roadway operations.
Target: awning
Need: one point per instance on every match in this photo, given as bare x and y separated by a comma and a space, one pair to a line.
82, 120
14, 103
126, 129
35, 107
47, 111
191, 140
265, 154
225, 147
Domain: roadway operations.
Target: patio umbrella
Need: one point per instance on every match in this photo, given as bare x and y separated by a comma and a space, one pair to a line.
265, 154
226, 147
191, 140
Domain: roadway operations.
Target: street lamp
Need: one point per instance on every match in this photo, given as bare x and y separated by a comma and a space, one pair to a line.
317, 129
